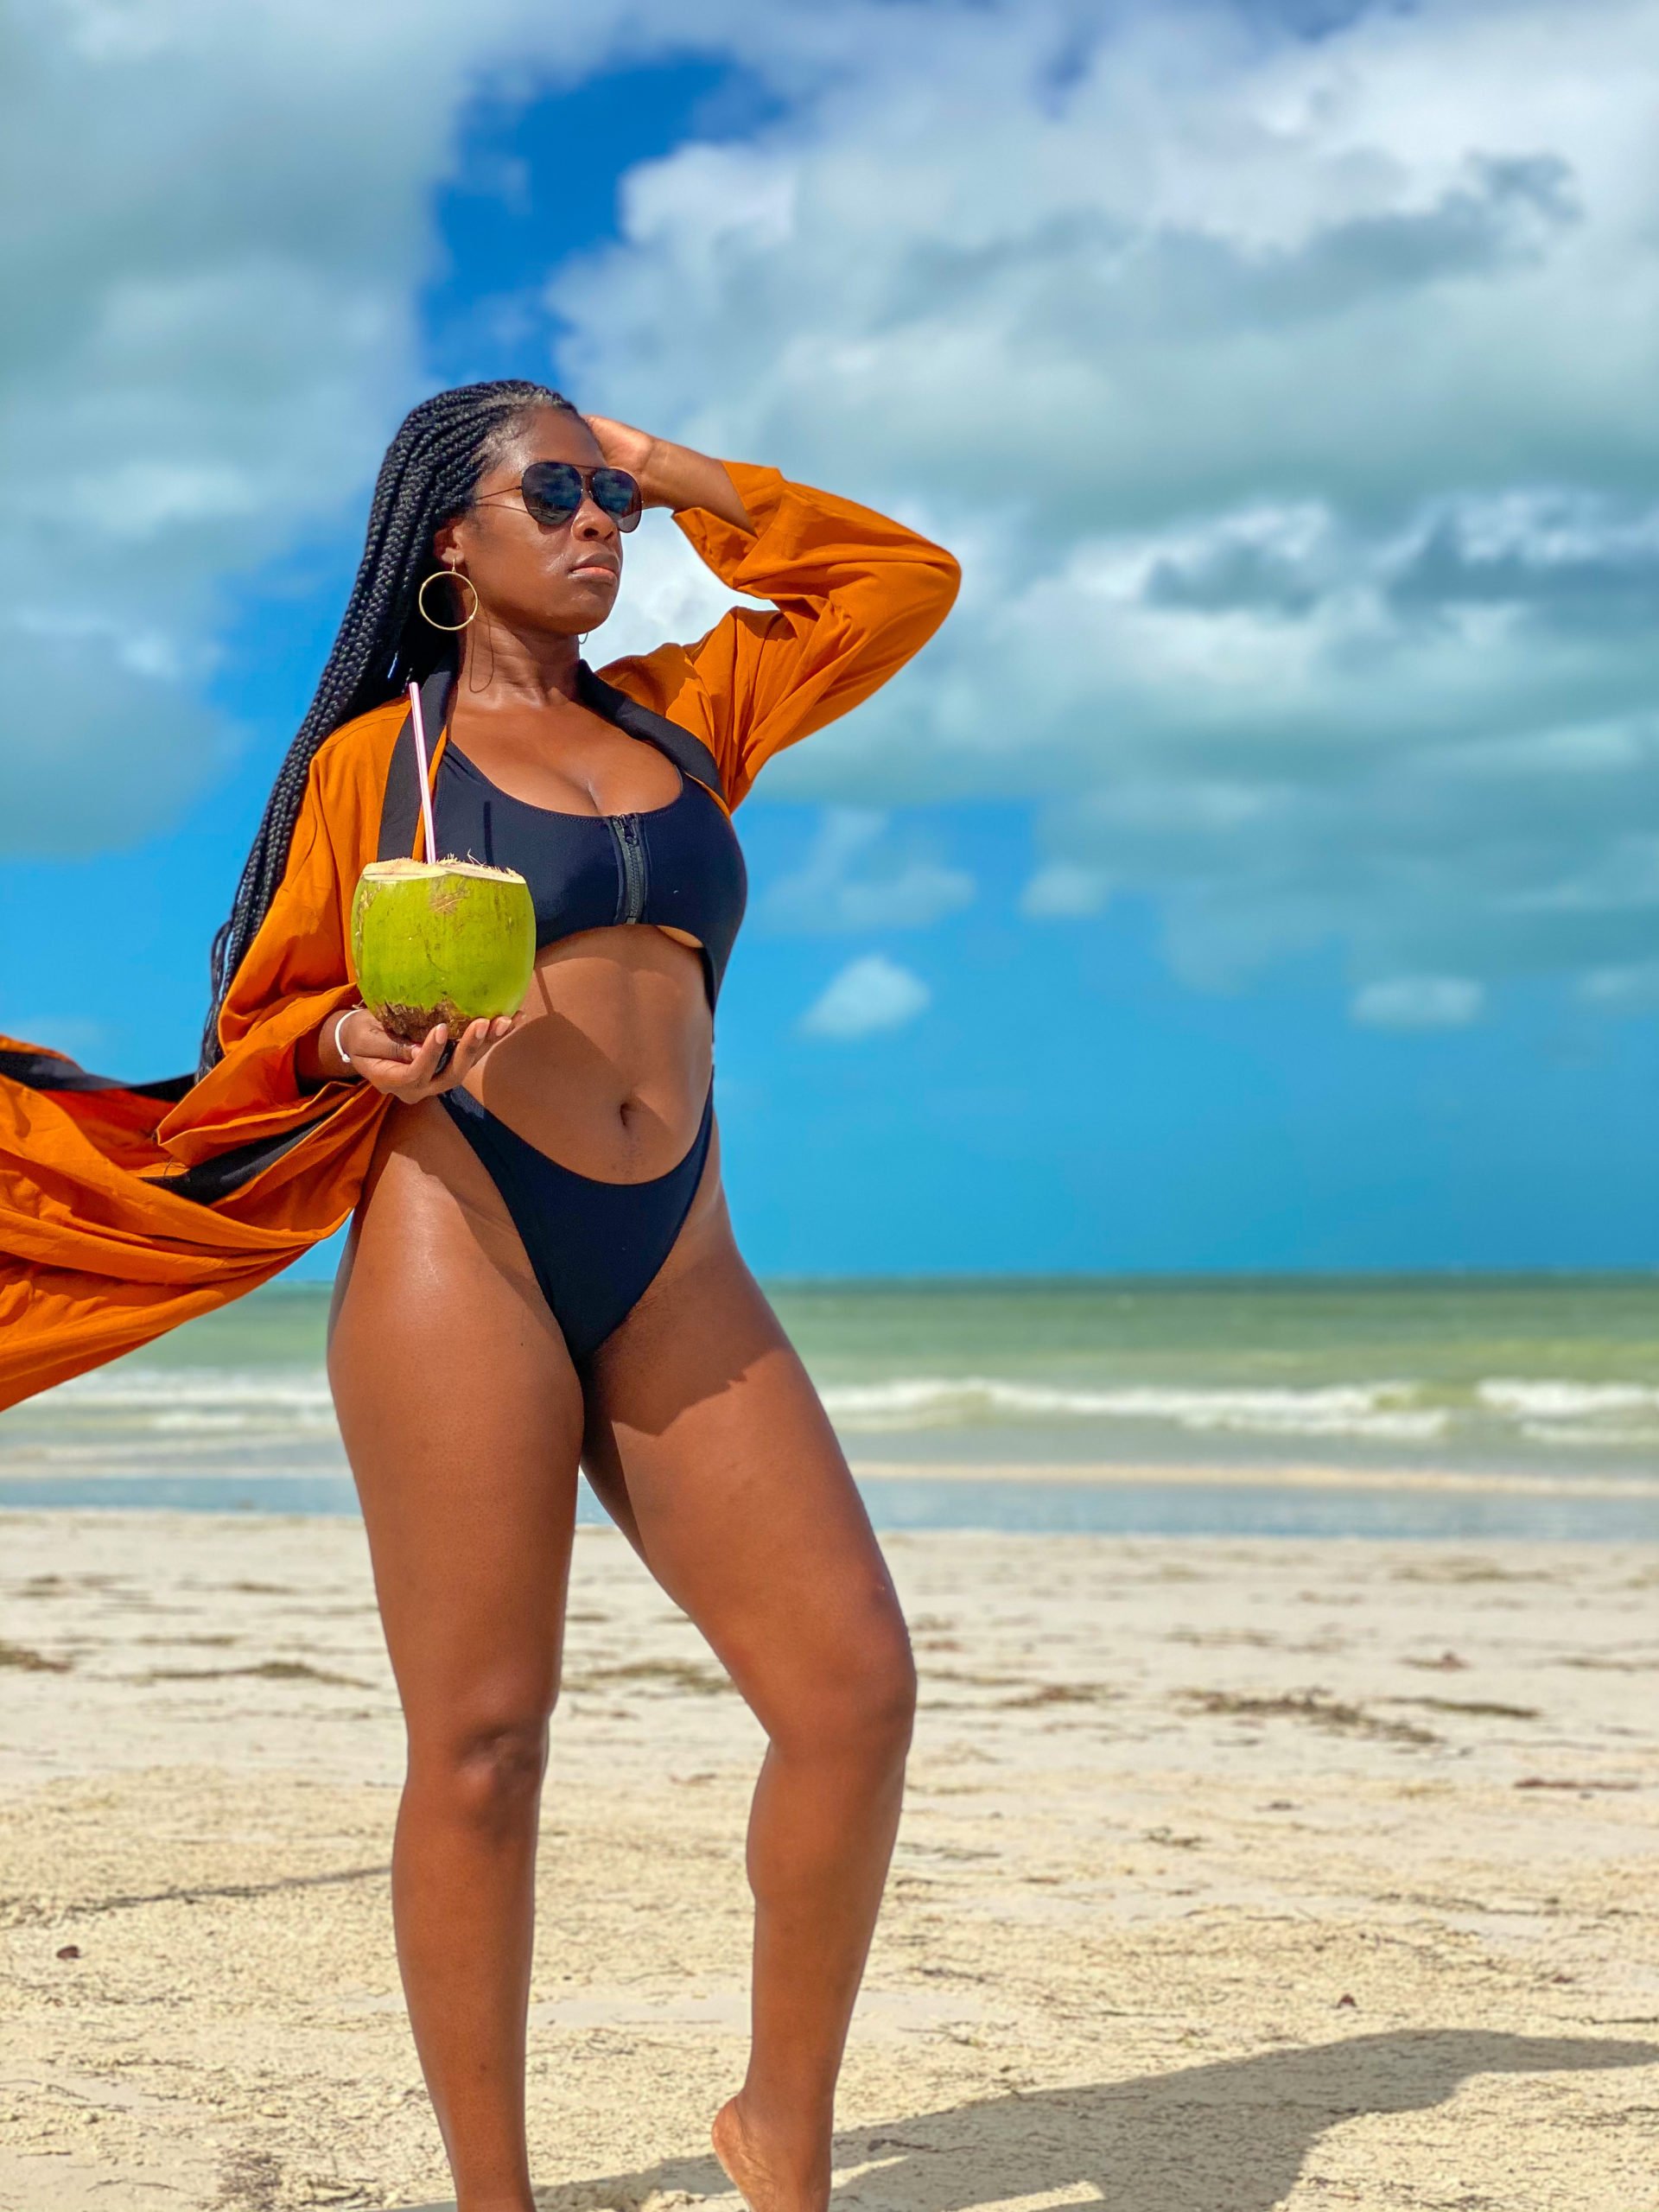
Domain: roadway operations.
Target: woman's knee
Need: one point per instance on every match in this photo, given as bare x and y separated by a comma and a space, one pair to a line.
862, 1707
488, 1766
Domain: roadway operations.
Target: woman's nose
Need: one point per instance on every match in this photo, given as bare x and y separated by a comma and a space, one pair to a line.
591, 520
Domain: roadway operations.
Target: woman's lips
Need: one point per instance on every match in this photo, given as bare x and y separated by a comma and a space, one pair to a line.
593, 569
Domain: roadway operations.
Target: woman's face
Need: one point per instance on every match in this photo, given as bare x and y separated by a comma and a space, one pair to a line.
561, 578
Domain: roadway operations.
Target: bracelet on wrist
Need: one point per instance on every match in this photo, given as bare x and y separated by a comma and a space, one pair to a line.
341, 1053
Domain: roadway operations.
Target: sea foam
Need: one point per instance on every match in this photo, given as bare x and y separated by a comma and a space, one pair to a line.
1375, 1410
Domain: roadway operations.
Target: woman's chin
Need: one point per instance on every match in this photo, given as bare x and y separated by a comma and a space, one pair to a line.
583, 607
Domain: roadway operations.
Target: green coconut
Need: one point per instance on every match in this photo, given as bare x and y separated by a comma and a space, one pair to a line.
437, 940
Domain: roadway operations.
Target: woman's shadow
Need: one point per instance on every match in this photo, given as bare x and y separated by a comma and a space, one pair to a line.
1230, 2137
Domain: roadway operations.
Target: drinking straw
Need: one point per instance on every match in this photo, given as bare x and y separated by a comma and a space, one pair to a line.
420, 756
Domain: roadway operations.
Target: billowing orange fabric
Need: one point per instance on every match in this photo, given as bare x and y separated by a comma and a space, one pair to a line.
97, 1254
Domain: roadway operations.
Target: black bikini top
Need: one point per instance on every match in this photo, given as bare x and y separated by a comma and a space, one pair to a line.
679, 864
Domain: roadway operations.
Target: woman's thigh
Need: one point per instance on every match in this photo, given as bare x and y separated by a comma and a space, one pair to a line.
741, 1502
461, 1417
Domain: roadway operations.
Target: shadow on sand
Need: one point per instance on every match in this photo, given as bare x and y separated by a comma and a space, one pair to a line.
1231, 2137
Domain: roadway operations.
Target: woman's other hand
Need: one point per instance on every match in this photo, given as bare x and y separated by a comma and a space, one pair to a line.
410, 1072
624, 447
670, 475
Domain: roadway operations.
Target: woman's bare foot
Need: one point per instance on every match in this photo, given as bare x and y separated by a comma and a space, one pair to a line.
766, 2182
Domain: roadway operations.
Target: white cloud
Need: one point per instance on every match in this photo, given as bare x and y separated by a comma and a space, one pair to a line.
870, 995
1310, 548
847, 882
217, 222
1418, 1003
1063, 891
1311, 542
1633, 990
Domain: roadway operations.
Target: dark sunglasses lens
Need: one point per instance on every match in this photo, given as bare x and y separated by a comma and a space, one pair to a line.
618, 495
552, 490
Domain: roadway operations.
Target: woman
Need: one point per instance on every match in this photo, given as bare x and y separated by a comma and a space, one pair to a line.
539, 1231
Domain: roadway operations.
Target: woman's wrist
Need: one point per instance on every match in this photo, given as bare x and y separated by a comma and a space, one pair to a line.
678, 476
321, 1057
336, 1045
686, 479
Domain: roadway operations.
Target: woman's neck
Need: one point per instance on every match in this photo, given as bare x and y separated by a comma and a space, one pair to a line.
508, 668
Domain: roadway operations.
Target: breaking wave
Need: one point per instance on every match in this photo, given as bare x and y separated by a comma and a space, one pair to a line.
197, 1400
272, 1401
1390, 1410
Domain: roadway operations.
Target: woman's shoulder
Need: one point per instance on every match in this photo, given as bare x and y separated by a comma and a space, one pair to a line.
671, 684
346, 777
366, 737
657, 679
350, 767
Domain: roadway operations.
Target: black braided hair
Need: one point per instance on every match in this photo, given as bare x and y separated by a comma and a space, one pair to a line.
430, 472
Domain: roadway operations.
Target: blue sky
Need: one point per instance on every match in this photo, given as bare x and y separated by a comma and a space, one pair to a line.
1261, 871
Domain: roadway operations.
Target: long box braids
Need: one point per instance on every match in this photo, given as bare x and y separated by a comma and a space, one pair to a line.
430, 474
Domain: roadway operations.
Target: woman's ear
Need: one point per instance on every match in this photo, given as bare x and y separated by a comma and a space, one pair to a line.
444, 540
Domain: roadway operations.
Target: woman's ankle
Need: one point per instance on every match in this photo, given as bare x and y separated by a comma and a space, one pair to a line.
778, 2158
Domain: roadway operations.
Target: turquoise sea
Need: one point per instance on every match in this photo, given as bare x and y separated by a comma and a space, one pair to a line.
1389, 1405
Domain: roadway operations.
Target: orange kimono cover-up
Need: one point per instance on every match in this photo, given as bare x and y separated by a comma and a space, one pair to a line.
102, 1246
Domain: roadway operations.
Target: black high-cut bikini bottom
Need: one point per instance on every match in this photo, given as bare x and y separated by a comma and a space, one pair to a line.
595, 1247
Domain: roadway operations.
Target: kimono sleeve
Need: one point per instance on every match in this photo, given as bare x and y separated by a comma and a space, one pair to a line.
296, 973
854, 595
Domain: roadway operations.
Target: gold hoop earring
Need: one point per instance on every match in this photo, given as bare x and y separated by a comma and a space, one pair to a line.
452, 576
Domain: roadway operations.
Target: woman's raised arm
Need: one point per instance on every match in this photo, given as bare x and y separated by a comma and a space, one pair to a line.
854, 595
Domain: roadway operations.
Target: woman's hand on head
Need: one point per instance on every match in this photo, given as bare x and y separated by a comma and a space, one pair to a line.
409, 1072
670, 475
624, 447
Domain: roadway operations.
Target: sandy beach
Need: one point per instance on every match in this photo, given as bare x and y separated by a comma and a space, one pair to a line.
1236, 1875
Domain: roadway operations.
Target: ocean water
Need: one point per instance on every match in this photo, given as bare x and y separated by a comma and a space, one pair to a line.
1435, 1406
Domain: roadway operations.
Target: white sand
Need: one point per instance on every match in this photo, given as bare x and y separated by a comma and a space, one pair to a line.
1149, 1943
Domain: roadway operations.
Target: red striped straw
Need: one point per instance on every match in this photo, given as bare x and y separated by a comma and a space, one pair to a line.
416, 717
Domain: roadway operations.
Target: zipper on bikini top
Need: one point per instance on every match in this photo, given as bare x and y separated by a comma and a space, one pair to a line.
633, 865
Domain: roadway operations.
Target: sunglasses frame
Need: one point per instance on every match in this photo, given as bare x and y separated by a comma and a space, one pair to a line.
551, 517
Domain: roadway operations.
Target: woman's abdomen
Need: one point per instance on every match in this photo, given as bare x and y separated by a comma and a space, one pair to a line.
609, 1069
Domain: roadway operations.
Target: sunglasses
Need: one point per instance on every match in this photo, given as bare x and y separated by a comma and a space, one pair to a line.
552, 491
